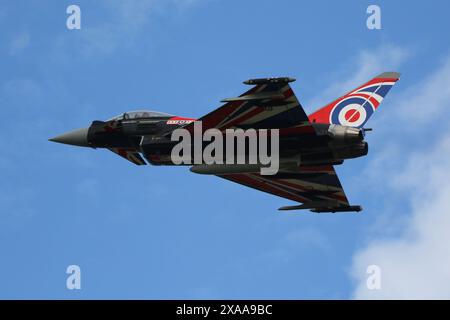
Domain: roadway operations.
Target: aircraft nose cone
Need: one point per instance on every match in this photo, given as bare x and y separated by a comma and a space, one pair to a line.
76, 138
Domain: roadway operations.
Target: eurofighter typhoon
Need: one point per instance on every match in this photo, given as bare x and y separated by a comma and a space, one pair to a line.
307, 147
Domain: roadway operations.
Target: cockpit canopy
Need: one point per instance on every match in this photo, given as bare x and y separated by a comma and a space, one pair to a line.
140, 114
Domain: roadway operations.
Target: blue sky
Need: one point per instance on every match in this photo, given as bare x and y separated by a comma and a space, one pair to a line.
149, 232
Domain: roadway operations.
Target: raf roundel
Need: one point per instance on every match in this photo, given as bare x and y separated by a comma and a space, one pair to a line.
353, 112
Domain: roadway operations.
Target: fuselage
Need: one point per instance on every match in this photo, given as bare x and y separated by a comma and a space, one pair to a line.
150, 134
262, 139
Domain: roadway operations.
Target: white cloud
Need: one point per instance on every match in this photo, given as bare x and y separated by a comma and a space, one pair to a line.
430, 97
409, 237
366, 65
126, 21
416, 262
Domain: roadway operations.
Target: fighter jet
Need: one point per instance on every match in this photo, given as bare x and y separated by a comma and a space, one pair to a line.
310, 145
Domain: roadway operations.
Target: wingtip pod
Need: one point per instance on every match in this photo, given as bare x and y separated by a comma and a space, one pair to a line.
325, 209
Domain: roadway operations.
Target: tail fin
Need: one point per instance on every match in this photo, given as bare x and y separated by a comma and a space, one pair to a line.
356, 107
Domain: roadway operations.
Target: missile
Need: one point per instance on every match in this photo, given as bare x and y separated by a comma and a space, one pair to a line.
338, 209
323, 207
225, 168
269, 80
284, 165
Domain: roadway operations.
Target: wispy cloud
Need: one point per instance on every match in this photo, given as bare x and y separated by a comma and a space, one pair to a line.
307, 237
123, 25
365, 65
408, 239
429, 98
287, 248
19, 43
415, 263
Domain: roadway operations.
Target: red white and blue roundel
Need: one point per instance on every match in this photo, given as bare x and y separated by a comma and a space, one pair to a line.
355, 108
353, 111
